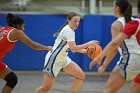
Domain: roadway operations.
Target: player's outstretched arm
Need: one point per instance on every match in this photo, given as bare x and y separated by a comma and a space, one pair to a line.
17, 34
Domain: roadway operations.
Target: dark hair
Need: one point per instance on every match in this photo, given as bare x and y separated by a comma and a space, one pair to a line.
13, 20
125, 9
69, 17
138, 6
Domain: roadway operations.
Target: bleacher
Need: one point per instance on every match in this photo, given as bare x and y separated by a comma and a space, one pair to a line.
82, 7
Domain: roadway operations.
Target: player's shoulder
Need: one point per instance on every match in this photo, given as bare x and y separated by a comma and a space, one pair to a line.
116, 24
66, 29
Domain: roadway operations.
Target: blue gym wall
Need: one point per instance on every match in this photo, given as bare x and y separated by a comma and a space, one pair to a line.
41, 27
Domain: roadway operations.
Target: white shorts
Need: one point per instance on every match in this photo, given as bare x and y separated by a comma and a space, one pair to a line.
129, 66
54, 64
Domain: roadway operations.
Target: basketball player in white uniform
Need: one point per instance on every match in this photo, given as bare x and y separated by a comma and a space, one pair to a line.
127, 67
130, 55
58, 58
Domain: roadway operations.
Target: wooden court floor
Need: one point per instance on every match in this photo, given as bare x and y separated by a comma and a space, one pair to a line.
29, 81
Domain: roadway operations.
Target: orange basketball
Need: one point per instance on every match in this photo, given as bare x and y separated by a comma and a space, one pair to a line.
93, 51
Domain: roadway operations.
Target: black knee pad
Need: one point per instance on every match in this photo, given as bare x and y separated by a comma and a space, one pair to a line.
11, 80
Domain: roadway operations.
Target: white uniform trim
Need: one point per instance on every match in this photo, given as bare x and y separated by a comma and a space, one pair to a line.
121, 20
9, 34
138, 26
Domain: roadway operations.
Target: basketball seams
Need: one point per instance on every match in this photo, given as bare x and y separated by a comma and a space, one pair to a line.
88, 51
93, 51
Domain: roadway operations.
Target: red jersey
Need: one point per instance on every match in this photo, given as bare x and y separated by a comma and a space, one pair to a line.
5, 43
133, 28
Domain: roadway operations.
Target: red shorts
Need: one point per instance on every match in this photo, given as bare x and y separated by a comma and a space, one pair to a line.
137, 78
2, 65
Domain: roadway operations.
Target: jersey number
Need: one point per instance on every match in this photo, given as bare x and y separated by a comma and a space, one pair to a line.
2, 32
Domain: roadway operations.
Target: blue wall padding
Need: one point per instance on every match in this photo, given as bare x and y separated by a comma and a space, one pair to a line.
41, 27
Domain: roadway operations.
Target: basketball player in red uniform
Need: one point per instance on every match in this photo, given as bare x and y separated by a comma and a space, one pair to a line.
8, 37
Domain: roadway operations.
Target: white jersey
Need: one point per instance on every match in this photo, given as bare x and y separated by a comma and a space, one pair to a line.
129, 49
58, 59
66, 35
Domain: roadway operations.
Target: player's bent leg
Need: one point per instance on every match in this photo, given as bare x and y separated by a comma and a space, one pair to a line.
112, 86
47, 84
10, 78
74, 70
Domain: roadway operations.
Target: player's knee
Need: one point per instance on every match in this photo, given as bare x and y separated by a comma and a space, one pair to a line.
81, 76
11, 80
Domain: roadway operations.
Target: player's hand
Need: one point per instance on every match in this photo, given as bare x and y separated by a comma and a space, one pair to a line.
101, 69
97, 61
49, 48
